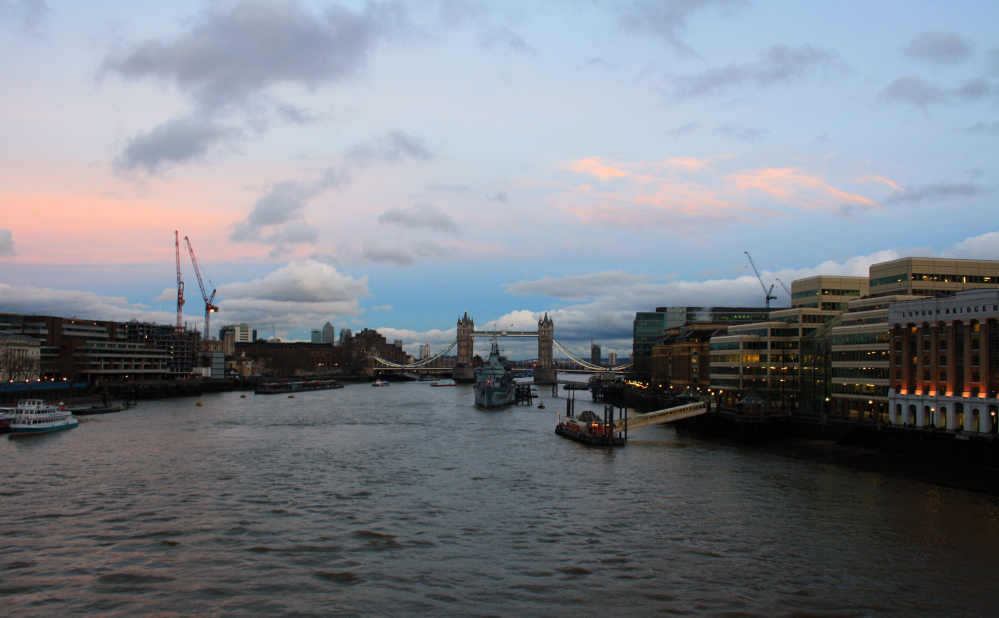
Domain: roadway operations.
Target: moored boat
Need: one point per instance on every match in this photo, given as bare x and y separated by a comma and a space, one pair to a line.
588, 428
275, 388
494, 386
32, 416
444, 382
381, 383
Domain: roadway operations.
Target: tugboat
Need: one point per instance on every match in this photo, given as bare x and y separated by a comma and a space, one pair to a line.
35, 416
494, 386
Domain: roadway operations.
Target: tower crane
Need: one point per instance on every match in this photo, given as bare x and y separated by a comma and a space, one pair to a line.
785, 288
209, 300
766, 292
180, 285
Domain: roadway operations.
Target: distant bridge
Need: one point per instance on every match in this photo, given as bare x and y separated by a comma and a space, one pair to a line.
544, 371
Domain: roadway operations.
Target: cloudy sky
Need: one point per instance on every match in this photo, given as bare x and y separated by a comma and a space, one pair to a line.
391, 165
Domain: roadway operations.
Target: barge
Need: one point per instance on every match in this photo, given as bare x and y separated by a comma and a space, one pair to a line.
278, 388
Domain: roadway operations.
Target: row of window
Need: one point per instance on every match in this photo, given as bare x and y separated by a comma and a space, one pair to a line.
870, 390
860, 355
975, 361
861, 338
873, 373
927, 376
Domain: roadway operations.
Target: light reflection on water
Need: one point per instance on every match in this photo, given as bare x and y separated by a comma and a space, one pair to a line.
408, 500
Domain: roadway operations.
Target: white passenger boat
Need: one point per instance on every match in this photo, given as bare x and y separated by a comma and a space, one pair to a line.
444, 382
381, 383
33, 416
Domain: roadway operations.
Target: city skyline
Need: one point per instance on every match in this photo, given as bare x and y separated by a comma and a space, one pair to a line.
589, 159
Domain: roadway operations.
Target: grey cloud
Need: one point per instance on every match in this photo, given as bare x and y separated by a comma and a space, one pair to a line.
500, 196
984, 128
457, 12
667, 19
325, 258
420, 216
307, 281
933, 192
381, 253
921, 93
292, 233
777, 65
504, 37
391, 147
914, 90
175, 141
236, 50
6, 243
428, 249
27, 15
576, 287
938, 47
749, 134
992, 62
283, 203
683, 130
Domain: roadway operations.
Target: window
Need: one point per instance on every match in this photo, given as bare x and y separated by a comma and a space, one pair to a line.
974, 361
974, 344
943, 376
898, 360
898, 374
926, 360
943, 361
926, 376
926, 344
898, 346
943, 345
976, 377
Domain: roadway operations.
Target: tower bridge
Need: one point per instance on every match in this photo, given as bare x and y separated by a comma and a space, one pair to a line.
544, 372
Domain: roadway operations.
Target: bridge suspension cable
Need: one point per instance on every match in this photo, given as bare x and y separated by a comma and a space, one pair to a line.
586, 364
423, 362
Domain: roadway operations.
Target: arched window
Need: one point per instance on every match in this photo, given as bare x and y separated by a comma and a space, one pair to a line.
898, 360
974, 344
974, 361
898, 374
975, 391
942, 345
943, 376
926, 344
926, 376
943, 361
926, 360
976, 377
898, 346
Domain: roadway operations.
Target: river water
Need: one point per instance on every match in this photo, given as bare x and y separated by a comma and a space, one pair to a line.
407, 500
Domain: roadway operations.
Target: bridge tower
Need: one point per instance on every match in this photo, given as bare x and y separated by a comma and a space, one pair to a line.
545, 372
463, 370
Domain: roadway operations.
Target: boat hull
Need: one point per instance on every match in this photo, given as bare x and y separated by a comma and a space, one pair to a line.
588, 439
16, 431
488, 396
95, 410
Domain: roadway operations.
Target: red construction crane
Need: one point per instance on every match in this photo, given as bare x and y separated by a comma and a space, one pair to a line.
180, 286
209, 300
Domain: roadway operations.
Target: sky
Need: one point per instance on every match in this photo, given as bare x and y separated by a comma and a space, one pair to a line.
391, 165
